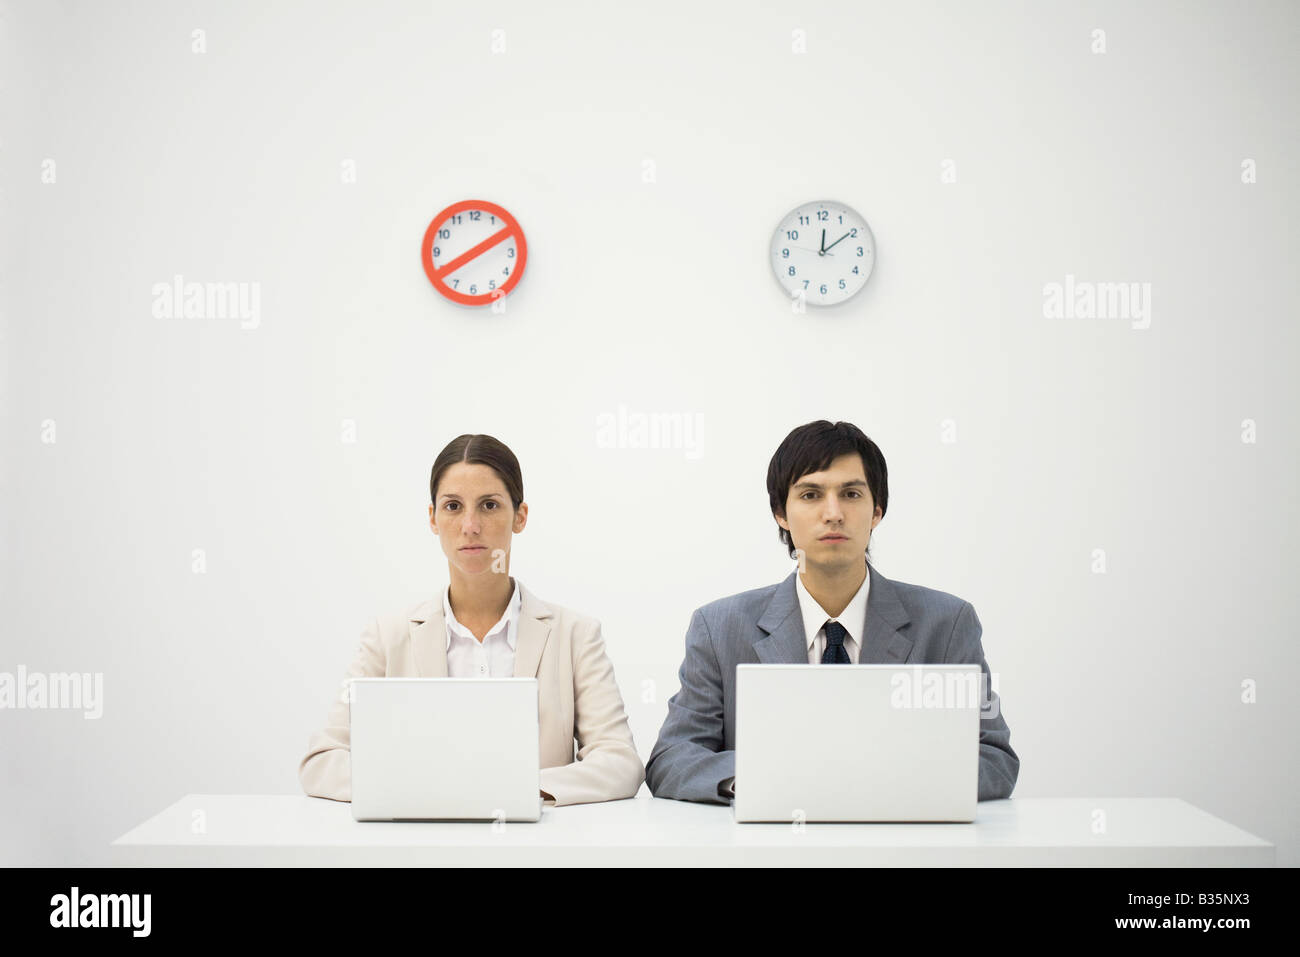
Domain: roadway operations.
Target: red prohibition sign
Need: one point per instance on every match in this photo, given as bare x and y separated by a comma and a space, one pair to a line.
439, 275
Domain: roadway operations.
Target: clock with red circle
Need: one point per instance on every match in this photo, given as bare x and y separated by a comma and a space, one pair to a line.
474, 252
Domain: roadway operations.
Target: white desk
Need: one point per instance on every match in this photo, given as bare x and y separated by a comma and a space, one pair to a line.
279, 830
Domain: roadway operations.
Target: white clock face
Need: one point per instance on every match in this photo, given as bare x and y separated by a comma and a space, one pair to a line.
824, 252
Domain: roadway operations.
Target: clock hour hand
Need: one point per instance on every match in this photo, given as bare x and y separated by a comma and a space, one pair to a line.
823, 249
826, 248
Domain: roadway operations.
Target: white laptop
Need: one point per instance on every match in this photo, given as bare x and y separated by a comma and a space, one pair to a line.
857, 742
450, 749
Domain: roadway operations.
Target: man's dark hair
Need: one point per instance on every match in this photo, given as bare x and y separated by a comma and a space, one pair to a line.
811, 448
479, 450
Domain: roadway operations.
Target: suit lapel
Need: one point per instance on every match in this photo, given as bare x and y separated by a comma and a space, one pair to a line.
784, 640
532, 632
429, 640
884, 642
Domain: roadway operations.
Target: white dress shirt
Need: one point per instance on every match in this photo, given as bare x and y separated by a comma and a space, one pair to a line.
494, 656
853, 618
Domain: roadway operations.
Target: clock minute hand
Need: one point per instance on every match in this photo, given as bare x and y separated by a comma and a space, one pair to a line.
826, 248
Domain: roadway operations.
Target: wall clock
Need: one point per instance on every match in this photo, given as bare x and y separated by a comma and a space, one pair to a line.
824, 250
474, 252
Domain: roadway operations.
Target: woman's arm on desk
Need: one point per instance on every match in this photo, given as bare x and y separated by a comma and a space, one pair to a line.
326, 770
608, 767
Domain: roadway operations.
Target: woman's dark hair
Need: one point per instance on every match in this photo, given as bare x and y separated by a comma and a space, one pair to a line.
479, 450
811, 448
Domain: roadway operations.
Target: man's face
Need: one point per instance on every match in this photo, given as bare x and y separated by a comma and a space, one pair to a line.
830, 514
473, 517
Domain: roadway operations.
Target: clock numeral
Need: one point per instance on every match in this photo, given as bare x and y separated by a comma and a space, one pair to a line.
823, 289
475, 215
785, 254
492, 284
510, 252
791, 270
792, 234
506, 271
859, 250
855, 270
455, 284
852, 232
822, 215
803, 220
444, 234
841, 283
805, 283
436, 252
473, 290
456, 219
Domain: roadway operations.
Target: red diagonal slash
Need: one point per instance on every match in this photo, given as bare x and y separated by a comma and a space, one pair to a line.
474, 251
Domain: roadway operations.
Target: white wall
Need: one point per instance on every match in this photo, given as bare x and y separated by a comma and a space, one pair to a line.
1071, 434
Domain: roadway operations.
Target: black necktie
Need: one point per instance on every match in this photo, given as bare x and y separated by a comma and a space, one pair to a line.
836, 653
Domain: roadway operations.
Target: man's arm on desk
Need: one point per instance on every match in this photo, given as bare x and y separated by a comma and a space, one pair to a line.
999, 765
688, 762
326, 770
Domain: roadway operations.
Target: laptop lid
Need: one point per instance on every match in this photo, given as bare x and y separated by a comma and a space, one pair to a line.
857, 742
445, 749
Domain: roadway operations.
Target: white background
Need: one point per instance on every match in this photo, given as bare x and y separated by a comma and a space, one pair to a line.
1071, 435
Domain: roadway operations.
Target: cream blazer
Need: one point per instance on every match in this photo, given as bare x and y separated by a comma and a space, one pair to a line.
578, 698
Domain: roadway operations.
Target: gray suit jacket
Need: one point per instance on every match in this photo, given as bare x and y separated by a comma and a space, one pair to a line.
904, 624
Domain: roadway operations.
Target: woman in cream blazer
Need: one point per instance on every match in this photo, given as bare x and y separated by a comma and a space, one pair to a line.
497, 628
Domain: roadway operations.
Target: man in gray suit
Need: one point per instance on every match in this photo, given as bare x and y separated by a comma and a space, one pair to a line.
828, 489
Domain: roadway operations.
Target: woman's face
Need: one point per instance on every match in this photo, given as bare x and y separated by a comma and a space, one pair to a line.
473, 518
